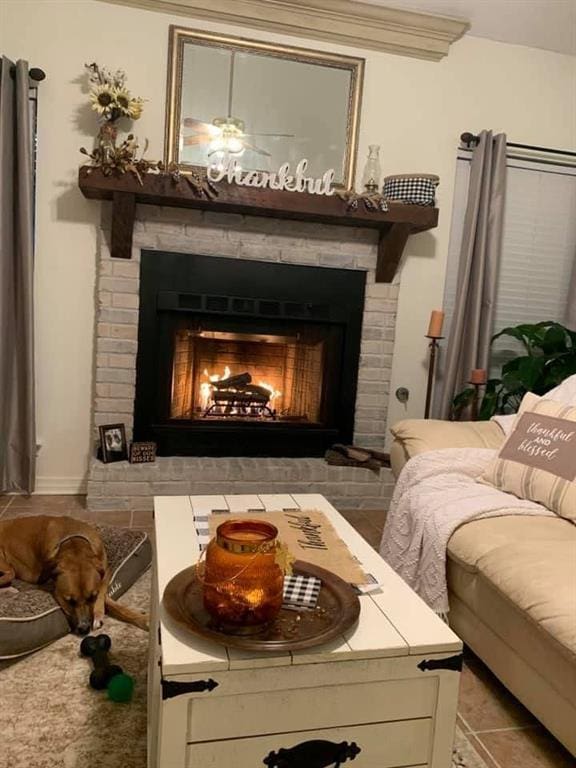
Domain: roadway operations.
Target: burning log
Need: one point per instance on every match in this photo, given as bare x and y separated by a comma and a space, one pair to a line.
236, 395
240, 381
240, 388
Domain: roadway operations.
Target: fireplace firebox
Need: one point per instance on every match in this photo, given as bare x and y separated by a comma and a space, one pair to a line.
246, 358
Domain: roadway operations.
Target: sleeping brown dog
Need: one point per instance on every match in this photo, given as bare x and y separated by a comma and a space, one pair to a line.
70, 552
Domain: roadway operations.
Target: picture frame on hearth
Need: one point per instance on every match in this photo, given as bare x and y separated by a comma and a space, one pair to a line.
113, 445
231, 98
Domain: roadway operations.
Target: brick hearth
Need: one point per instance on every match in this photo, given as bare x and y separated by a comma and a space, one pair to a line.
126, 486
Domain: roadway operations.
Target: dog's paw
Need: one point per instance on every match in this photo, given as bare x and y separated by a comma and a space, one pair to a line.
97, 624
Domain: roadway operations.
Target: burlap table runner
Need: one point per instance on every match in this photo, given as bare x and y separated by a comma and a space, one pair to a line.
309, 536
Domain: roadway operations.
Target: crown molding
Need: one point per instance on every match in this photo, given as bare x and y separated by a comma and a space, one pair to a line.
345, 22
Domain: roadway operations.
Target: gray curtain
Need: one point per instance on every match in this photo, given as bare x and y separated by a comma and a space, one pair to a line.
570, 318
17, 421
471, 325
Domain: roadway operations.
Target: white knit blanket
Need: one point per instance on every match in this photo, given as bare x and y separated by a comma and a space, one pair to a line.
435, 494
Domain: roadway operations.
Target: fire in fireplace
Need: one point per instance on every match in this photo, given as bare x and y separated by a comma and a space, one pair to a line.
244, 358
223, 375
236, 396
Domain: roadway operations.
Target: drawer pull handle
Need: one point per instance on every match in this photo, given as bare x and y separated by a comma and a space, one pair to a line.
313, 754
171, 688
452, 662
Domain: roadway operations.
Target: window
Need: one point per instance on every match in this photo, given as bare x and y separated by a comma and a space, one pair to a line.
538, 245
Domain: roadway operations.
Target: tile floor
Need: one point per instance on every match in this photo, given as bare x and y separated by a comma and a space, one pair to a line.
501, 729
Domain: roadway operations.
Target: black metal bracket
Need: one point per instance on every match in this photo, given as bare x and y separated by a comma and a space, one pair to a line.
313, 754
171, 688
453, 663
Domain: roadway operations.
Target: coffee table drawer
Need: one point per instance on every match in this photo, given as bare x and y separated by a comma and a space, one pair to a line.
383, 745
253, 714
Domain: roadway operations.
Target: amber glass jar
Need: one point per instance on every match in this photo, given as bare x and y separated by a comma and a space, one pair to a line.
243, 584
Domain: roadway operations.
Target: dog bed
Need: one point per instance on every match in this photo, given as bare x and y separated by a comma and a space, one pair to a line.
30, 617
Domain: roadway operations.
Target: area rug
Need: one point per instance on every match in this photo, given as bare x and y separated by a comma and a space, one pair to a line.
50, 718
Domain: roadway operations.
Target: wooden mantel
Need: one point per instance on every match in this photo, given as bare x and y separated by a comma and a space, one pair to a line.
394, 226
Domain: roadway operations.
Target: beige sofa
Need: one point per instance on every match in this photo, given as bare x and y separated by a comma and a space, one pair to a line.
512, 587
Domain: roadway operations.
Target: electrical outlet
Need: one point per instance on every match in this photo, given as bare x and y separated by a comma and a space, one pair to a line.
402, 394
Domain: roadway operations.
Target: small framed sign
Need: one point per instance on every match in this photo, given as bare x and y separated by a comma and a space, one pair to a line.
142, 453
113, 446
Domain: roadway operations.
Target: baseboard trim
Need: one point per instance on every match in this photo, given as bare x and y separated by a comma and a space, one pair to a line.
65, 486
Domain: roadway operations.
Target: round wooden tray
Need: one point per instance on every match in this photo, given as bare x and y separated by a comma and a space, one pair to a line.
337, 610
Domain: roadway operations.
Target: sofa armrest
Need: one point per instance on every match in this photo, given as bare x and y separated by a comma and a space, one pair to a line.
414, 436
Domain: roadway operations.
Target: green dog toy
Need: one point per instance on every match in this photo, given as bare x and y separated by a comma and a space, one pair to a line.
105, 675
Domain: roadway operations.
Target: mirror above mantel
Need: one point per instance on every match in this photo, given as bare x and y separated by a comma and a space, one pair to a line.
261, 104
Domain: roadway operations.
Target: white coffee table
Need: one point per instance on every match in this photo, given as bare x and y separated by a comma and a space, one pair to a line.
390, 684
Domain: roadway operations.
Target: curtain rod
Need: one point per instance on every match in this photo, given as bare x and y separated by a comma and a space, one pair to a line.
470, 140
34, 74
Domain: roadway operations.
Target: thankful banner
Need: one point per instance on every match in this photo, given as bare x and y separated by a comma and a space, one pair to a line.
309, 536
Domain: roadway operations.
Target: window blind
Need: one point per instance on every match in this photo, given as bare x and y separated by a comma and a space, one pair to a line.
538, 246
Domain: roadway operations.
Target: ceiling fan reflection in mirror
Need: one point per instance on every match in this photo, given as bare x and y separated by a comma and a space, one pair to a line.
226, 137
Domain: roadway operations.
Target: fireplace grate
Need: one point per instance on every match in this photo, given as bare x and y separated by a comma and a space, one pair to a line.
237, 396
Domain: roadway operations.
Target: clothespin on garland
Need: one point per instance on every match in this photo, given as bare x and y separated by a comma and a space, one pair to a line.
198, 181
373, 202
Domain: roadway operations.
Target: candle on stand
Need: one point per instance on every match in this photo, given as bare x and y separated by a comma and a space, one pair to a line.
478, 376
436, 323
434, 334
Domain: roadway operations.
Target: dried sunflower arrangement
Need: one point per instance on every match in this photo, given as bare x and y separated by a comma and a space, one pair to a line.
111, 100
109, 95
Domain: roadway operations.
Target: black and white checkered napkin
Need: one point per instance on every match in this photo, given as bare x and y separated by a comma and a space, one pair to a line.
301, 592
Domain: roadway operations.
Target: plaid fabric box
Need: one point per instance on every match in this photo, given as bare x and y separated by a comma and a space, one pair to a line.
411, 188
301, 592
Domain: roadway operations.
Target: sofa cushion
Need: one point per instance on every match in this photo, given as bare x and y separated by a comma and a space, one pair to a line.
538, 459
477, 538
420, 435
526, 594
539, 578
532, 686
563, 393
508, 421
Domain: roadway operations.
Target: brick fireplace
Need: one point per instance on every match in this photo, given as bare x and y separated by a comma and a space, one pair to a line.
269, 351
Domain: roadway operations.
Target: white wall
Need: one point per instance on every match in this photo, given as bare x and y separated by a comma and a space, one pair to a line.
415, 109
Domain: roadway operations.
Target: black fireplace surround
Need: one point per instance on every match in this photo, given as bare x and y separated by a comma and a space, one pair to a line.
246, 358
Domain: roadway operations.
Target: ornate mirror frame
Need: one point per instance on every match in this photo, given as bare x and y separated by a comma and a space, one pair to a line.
179, 36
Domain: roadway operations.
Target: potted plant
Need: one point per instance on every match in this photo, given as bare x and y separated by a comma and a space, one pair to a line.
550, 358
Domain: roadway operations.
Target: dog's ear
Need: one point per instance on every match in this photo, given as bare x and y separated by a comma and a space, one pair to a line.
100, 568
50, 565
49, 570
